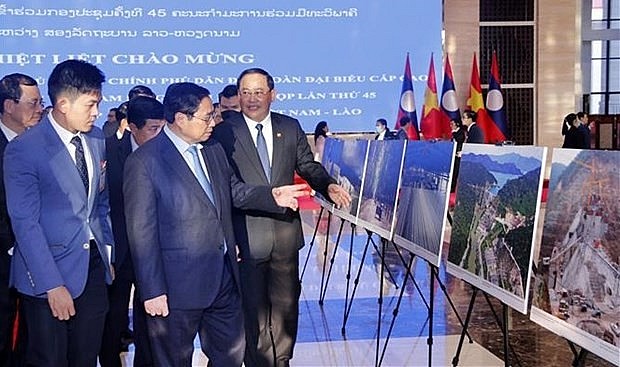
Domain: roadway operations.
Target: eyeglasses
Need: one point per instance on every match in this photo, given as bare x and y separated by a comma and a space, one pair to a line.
210, 117
258, 93
33, 103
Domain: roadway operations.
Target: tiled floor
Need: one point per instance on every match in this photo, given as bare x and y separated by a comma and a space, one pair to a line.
321, 342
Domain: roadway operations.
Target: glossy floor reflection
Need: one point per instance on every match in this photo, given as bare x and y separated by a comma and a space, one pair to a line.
322, 343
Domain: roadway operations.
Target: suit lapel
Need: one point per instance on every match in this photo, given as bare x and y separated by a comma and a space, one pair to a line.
278, 147
95, 158
124, 148
172, 157
3, 141
246, 143
61, 162
212, 165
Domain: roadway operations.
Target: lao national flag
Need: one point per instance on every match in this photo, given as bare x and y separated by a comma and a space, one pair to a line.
449, 104
495, 106
406, 107
432, 125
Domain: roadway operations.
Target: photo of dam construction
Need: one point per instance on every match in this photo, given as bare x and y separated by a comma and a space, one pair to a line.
577, 281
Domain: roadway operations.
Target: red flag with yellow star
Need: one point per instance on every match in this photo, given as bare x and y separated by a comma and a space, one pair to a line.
432, 124
475, 102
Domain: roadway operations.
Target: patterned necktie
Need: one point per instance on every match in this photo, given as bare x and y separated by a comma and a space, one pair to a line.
261, 147
80, 161
200, 173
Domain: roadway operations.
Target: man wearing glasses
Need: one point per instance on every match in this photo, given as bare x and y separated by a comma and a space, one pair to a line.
266, 148
179, 191
21, 107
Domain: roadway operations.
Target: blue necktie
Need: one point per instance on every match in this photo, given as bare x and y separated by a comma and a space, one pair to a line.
80, 161
200, 173
261, 147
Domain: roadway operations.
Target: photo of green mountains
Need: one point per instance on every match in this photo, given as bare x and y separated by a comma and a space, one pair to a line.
494, 220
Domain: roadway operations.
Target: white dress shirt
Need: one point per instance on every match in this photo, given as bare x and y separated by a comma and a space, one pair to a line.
267, 133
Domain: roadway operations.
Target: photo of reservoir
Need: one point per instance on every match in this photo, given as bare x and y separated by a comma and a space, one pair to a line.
494, 221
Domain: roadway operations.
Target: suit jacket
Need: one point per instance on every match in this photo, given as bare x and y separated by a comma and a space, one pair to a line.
401, 135
110, 128
459, 138
475, 134
573, 139
387, 136
176, 234
7, 238
586, 136
116, 152
51, 213
258, 232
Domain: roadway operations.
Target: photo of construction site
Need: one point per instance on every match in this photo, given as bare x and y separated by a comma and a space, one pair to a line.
576, 291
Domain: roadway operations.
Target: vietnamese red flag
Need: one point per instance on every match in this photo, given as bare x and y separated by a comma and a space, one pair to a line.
498, 132
475, 102
432, 125
449, 103
406, 105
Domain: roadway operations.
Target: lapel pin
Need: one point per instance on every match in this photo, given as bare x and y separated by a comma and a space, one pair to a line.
279, 134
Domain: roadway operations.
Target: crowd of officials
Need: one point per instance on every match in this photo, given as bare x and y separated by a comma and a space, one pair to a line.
190, 201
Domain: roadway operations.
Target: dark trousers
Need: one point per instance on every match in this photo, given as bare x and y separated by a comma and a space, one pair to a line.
74, 342
142, 355
8, 312
220, 327
117, 322
271, 292
455, 173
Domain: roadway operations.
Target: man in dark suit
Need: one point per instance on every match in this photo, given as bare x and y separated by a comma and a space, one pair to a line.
110, 126
58, 203
475, 135
268, 148
21, 107
145, 116
404, 127
383, 132
178, 201
229, 100
584, 130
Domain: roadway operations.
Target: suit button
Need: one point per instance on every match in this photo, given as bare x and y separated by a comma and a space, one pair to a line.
86, 246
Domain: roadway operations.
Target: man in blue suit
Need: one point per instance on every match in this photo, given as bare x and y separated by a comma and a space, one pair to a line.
178, 200
58, 203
